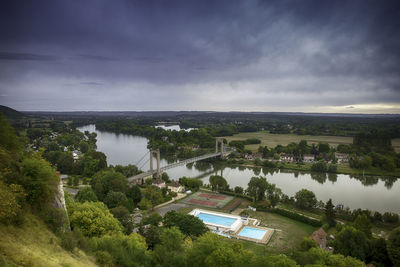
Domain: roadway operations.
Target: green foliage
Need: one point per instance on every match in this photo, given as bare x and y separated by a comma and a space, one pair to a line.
191, 183
188, 224
165, 177
39, 181
363, 224
8, 140
128, 171
305, 199
351, 242
11, 200
153, 219
316, 256
330, 214
319, 166
122, 214
145, 204
154, 194
378, 253
211, 250
115, 199
134, 193
93, 219
393, 246
86, 194
125, 250
307, 243
218, 183
256, 187
106, 181
170, 250
238, 190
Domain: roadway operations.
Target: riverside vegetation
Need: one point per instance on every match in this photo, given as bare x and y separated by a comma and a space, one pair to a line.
104, 237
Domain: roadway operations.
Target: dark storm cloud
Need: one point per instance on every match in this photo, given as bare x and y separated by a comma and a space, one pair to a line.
200, 54
25, 56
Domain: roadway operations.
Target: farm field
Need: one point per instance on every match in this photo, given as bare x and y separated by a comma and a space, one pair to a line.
272, 140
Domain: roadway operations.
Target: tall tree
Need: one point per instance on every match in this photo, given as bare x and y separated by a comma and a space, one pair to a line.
393, 246
330, 213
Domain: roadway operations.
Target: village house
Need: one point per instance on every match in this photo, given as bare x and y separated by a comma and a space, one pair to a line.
319, 236
176, 187
159, 183
286, 157
195, 147
308, 158
164, 138
341, 158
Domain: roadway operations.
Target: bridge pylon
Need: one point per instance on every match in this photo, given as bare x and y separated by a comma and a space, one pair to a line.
157, 152
220, 141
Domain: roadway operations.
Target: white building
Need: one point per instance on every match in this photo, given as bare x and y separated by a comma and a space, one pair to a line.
308, 158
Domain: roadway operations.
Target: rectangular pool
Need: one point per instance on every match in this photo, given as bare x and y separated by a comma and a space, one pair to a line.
252, 232
216, 219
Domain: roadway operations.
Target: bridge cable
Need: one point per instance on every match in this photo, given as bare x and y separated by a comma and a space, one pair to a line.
140, 168
142, 158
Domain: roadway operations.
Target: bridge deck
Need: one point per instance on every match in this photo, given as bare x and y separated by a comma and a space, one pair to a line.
175, 164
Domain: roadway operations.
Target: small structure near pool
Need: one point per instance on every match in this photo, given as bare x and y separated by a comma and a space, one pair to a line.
234, 226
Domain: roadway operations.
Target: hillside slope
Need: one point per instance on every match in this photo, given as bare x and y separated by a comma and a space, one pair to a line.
33, 244
10, 113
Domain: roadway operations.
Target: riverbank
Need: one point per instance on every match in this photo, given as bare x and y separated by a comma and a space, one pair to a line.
306, 167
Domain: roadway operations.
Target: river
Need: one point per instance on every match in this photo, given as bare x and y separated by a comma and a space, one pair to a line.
373, 193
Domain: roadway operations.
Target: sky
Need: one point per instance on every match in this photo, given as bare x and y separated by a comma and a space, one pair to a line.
127, 55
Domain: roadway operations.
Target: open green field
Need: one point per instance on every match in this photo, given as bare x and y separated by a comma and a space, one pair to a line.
272, 140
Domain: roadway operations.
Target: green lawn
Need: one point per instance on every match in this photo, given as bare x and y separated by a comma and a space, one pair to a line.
288, 235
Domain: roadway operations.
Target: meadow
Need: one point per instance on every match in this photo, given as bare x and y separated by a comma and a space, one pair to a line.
272, 140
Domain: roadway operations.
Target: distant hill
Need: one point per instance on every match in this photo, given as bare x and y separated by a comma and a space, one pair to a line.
10, 113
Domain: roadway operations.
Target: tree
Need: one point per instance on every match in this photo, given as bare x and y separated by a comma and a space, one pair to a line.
330, 213
11, 197
192, 183
218, 182
319, 166
393, 246
40, 181
305, 199
239, 190
165, 177
145, 204
363, 224
170, 251
105, 181
257, 187
307, 243
378, 253
210, 250
93, 219
323, 148
188, 224
351, 242
154, 194
153, 219
125, 250
134, 193
115, 199
86, 194
122, 214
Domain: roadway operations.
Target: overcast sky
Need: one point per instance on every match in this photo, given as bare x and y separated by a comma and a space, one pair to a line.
308, 56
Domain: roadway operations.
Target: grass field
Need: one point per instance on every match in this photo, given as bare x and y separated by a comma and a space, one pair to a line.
272, 140
32, 244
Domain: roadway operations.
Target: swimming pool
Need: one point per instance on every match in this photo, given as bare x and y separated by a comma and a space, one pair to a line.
216, 219
252, 232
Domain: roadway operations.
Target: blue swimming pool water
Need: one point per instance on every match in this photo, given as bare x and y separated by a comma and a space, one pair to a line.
253, 232
211, 218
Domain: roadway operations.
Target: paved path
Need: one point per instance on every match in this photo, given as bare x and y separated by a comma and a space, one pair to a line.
173, 206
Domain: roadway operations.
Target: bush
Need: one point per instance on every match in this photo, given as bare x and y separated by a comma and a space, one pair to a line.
103, 258
68, 241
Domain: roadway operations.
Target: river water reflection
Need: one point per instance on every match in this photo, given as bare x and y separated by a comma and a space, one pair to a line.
374, 193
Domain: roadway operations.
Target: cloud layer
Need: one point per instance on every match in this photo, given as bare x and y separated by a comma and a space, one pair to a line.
200, 55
